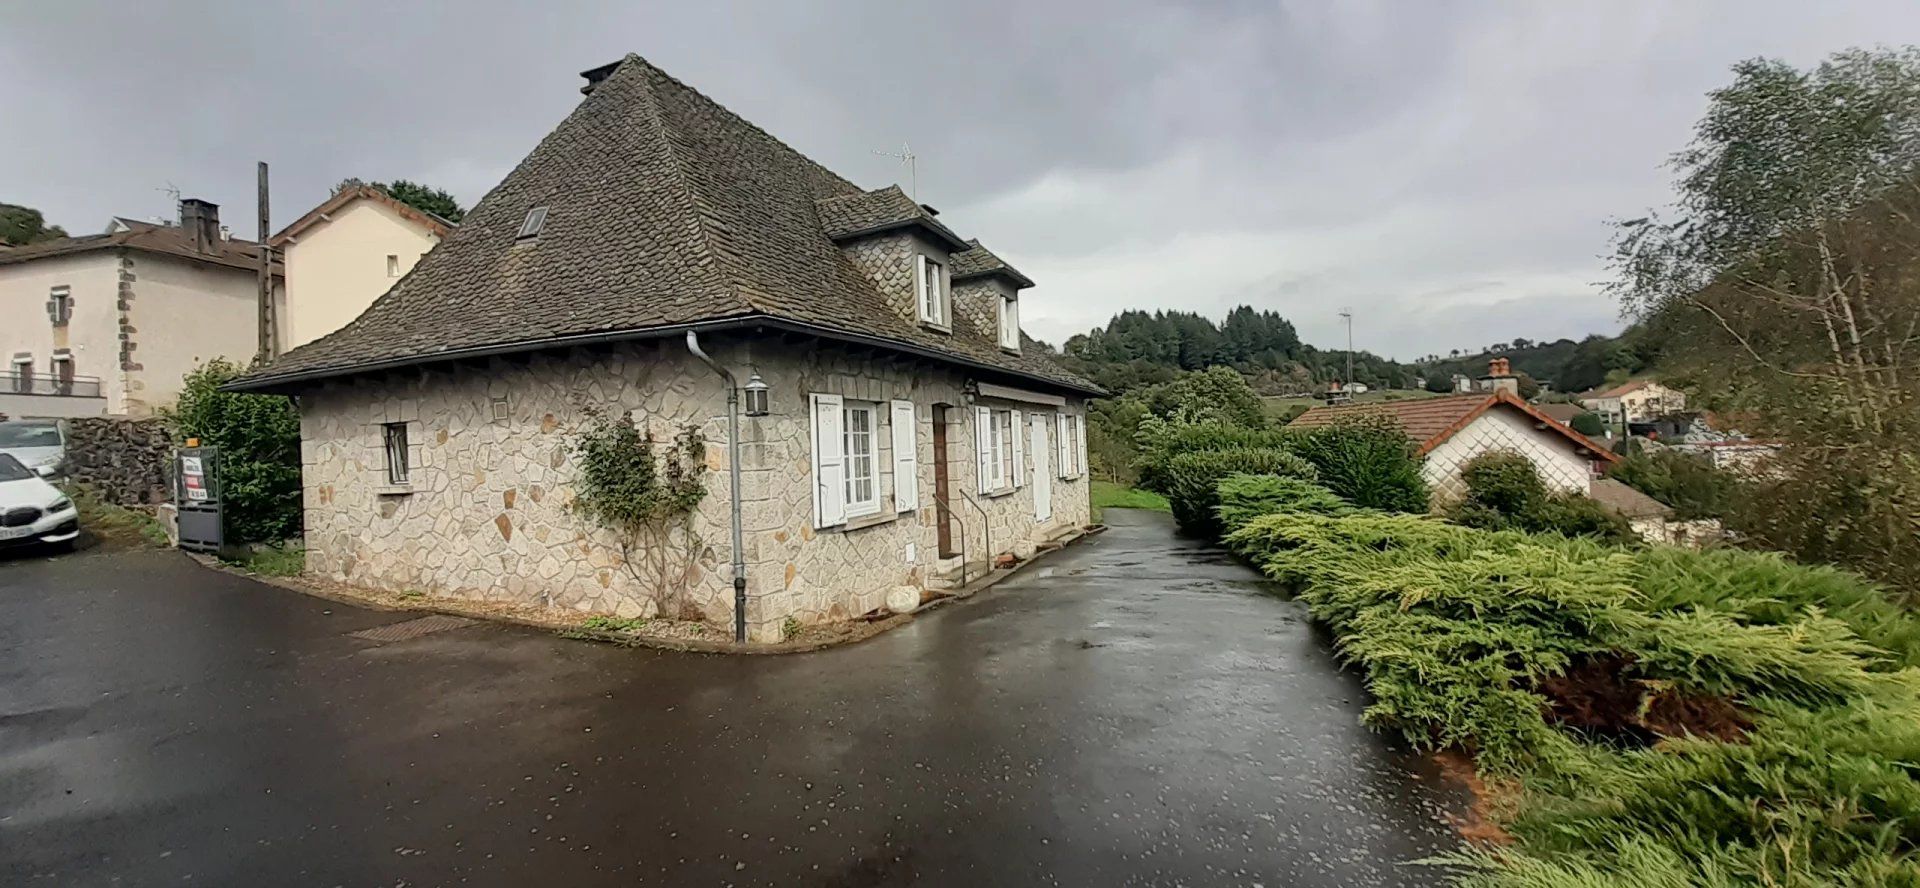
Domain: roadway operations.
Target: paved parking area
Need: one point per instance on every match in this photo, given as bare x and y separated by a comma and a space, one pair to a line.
1132, 711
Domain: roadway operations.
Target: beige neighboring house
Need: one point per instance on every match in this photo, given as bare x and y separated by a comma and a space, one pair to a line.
110, 323
908, 429
1454, 429
343, 254
1640, 400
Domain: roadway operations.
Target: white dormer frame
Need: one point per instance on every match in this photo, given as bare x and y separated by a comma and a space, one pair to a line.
932, 291
1009, 318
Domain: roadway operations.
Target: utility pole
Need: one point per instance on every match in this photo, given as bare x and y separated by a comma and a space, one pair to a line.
267, 344
1347, 314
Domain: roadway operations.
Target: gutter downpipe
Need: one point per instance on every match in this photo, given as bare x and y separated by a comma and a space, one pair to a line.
733, 488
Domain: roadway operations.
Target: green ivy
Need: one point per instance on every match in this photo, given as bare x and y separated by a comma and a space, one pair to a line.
628, 488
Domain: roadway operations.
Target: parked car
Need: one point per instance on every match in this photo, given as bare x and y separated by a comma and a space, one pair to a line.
39, 444
32, 510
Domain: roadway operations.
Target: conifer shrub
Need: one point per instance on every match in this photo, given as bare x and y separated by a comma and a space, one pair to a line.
1192, 481
1369, 461
1246, 497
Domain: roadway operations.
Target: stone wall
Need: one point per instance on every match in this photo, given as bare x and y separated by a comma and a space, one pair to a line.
486, 511
128, 461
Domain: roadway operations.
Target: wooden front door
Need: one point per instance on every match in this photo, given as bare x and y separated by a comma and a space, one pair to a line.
943, 512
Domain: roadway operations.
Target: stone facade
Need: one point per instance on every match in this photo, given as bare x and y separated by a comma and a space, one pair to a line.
126, 461
486, 510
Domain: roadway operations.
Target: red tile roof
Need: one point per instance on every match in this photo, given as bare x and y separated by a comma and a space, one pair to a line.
147, 237
1431, 421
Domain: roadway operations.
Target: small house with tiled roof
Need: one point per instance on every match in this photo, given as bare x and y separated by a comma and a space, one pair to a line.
345, 252
1451, 430
111, 322
659, 256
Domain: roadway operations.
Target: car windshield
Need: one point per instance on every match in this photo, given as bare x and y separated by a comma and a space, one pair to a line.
29, 434
12, 470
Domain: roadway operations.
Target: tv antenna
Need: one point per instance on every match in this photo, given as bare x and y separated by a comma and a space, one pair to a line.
170, 191
1347, 315
905, 155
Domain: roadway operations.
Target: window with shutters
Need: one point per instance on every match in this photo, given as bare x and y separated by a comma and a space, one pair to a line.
863, 483
930, 289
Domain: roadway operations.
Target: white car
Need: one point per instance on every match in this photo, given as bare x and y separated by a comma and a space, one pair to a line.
33, 511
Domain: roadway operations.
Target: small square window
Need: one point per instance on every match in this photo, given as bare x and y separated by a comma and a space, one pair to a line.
536, 220
500, 410
393, 265
395, 436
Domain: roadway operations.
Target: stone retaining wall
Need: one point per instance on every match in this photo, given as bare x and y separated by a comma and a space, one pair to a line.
125, 460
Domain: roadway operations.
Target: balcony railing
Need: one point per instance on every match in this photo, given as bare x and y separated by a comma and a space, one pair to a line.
48, 384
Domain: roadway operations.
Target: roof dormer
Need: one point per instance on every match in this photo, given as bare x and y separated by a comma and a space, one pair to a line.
902, 247
987, 293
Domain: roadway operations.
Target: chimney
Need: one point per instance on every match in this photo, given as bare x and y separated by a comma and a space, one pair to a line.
1500, 377
595, 75
200, 221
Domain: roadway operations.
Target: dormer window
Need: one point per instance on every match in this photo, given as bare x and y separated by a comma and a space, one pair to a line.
1010, 323
536, 220
930, 286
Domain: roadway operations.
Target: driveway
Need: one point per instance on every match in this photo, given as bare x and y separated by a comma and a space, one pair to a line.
1132, 711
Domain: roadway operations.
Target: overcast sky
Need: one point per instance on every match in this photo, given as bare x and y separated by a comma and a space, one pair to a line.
1446, 169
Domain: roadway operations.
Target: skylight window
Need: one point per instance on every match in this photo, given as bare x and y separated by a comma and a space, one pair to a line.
536, 220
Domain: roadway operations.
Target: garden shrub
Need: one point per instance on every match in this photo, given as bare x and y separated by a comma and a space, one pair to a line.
1160, 441
1246, 497
1765, 588
1368, 461
258, 437
1504, 491
1192, 480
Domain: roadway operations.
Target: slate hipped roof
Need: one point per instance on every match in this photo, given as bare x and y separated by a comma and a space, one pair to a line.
664, 211
978, 261
1431, 421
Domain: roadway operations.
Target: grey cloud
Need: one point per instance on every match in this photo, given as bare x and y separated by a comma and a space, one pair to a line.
1444, 168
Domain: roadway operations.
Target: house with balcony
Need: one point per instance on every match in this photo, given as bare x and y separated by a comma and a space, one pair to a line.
109, 323
870, 409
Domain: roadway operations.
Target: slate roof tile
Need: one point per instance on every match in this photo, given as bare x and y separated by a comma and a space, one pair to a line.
663, 209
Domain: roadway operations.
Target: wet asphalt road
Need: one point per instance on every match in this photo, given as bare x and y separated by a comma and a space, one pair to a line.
1132, 711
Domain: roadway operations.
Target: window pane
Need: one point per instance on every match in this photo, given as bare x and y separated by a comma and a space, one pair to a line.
396, 441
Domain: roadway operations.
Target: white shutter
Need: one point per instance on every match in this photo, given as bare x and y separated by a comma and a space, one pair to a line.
983, 447
906, 458
1018, 433
829, 461
1061, 439
920, 287
1079, 446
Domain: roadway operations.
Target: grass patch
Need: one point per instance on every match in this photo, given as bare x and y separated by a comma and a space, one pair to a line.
1108, 495
116, 525
275, 561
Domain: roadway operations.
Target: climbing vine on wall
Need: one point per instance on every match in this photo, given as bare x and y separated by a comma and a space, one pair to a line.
644, 493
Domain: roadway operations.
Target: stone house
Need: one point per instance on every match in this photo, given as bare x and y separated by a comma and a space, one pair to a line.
344, 253
109, 323
1453, 429
658, 255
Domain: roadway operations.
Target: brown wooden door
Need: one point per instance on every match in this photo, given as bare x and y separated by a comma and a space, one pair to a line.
943, 512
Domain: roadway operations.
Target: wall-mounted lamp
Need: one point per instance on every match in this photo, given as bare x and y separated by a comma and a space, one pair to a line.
756, 395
